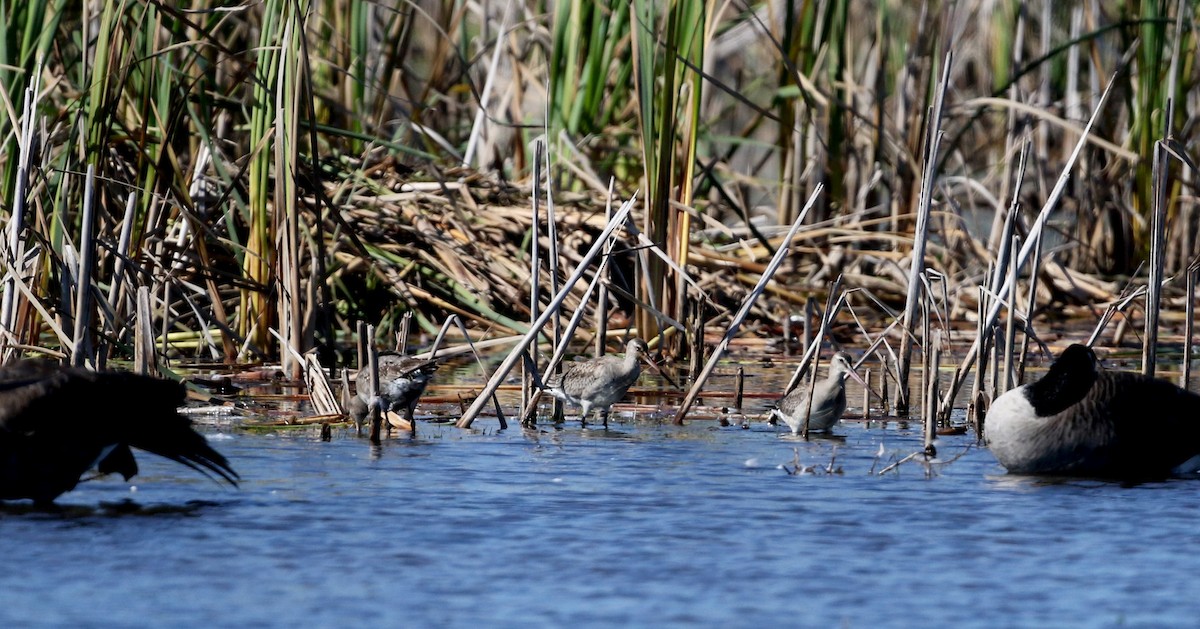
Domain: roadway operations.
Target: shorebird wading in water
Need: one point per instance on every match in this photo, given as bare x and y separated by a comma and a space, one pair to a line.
828, 398
57, 423
402, 380
600, 382
1080, 420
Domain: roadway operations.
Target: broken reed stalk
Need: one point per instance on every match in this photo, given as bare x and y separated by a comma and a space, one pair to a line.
833, 305
1158, 237
116, 286
1030, 305
360, 333
529, 412
405, 332
81, 348
1128, 294
510, 361
535, 265
143, 335
921, 235
602, 292
15, 250
977, 408
812, 386
810, 310
1038, 224
697, 338
1010, 326
739, 383
931, 410
747, 303
374, 412
433, 352
867, 395
552, 259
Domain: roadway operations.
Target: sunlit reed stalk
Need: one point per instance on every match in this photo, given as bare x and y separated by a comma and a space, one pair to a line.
920, 237
535, 262
374, 413
1010, 326
479, 128
529, 412
867, 395
362, 340
930, 412
747, 303
812, 385
15, 249
1030, 306
739, 384
468, 416
82, 315
143, 335
435, 350
552, 257
1020, 259
602, 291
1158, 229
977, 407
402, 337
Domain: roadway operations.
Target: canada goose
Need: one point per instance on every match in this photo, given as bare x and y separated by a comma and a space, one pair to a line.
828, 401
56, 423
600, 382
1080, 420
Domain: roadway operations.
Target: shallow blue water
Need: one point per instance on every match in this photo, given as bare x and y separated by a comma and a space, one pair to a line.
645, 524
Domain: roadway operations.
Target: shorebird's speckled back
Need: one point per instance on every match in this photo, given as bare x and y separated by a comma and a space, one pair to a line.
829, 398
600, 382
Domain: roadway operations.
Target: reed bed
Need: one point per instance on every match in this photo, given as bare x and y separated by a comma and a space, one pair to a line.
259, 182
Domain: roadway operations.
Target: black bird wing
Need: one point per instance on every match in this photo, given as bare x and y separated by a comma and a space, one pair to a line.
57, 423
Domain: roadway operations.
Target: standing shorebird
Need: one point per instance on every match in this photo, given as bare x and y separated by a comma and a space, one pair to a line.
600, 382
1079, 420
402, 380
51, 433
828, 398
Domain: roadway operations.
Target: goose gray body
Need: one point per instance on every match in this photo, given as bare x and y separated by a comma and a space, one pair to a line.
402, 381
57, 423
828, 398
600, 382
1079, 420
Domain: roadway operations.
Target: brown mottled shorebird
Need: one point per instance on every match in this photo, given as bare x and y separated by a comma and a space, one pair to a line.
57, 423
1079, 420
828, 398
600, 382
402, 380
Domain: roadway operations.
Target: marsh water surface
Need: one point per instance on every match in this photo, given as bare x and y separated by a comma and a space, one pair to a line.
645, 524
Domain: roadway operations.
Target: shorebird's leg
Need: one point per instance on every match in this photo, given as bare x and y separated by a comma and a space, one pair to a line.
604, 416
587, 408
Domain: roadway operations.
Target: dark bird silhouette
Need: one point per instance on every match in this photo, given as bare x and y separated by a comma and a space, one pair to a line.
600, 382
402, 380
1080, 420
828, 398
57, 423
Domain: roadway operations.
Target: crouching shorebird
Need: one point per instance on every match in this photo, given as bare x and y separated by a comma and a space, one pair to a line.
1079, 420
402, 380
51, 433
600, 382
828, 398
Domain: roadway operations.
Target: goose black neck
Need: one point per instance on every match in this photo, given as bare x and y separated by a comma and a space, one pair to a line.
1066, 383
